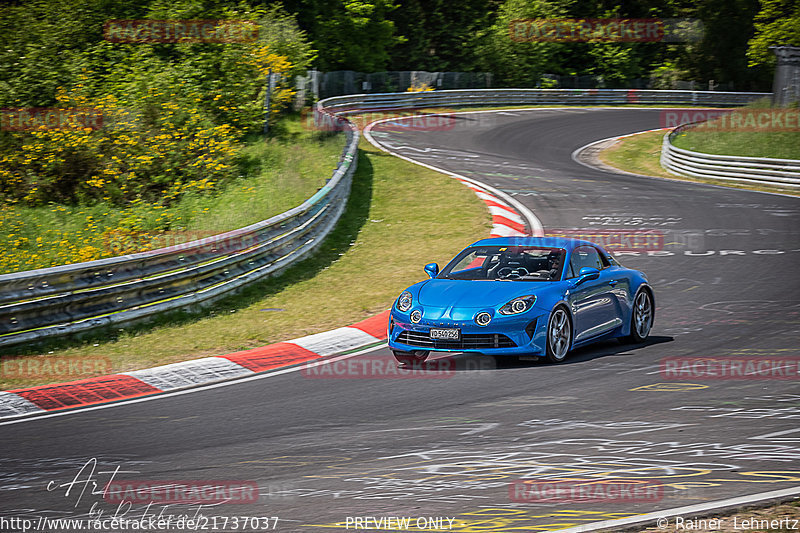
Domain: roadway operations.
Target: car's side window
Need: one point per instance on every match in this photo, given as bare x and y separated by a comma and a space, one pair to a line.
604, 260
465, 268
584, 256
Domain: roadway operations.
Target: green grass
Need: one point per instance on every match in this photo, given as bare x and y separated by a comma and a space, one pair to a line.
761, 142
641, 154
399, 217
385, 236
774, 144
638, 154
278, 174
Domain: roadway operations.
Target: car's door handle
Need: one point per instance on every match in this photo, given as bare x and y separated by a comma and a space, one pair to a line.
613, 282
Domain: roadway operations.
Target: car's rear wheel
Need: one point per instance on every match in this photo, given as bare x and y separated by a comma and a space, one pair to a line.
559, 335
409, 358
641, 317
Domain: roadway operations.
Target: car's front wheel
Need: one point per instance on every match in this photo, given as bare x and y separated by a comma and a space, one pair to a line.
641, 317
559, 335
409, 358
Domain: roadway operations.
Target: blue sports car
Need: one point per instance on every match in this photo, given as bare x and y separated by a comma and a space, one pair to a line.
521, 296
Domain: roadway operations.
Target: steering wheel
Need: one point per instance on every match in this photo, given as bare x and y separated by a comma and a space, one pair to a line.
512, 273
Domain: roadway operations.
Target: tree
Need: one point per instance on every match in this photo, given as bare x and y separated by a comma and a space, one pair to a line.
172, 113
440, 34
777, 23
519, 62
354, 35
43, 45
720, 55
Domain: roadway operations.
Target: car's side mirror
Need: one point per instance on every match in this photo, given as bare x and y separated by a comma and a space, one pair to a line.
586, 274
432, 269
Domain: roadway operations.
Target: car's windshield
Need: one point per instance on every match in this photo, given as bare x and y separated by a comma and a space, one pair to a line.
507, 263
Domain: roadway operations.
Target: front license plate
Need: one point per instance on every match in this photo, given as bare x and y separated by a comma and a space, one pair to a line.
449, 334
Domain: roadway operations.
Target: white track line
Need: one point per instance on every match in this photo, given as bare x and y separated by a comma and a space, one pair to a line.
649, 517
537, 230
695, 510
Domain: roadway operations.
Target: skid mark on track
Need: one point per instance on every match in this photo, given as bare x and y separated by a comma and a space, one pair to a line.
670, 387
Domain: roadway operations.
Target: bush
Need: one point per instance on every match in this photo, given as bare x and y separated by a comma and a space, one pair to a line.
158, 151
172, 114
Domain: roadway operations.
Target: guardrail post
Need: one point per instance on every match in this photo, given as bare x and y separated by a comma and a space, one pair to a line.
786, 83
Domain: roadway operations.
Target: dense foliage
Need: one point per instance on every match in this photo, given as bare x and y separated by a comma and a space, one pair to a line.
776, 24
473, 35
174, 114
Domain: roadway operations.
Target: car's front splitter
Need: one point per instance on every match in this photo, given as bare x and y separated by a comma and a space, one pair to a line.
526, 333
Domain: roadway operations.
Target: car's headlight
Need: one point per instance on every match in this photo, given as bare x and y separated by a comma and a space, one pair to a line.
404, 302
518, 305
483, 318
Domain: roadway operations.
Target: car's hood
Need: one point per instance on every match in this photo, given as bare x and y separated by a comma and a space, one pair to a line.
461, 293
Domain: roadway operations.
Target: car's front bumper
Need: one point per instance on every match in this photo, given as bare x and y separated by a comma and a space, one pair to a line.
506, 335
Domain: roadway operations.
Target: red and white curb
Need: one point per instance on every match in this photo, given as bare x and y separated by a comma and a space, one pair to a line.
506, 222
189, 374
509, 219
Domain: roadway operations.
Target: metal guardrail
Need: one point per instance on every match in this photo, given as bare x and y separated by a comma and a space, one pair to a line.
117, 291
122, 290
508, 97
679, 161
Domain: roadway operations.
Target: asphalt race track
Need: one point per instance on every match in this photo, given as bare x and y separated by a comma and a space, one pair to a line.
450, 444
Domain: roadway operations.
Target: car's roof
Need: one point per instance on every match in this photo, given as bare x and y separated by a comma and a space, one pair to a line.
545, 242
